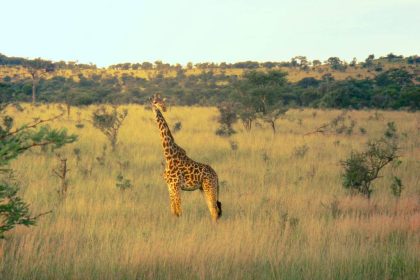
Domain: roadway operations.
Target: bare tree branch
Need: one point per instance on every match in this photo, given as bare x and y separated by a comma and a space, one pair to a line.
320, 129
41, 214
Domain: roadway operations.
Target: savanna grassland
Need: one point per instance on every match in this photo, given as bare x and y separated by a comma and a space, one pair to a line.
285, 212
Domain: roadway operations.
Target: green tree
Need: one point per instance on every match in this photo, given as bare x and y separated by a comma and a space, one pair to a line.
362, 168
146, 65
394, 77
226, 119
13, 142
369, 61
353, 62
301, 61
273, 113
336, 64
260, 94
36, 69
109, 123
316, 63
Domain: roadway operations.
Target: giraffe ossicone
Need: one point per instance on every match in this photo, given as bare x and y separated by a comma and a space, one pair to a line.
183, 173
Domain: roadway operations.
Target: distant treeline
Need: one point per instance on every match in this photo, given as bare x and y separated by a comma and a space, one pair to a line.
298, 61
392, 89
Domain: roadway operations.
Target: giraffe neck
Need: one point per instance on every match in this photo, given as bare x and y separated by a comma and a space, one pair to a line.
170, 148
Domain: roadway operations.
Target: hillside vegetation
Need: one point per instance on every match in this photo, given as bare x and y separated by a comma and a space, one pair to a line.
390, 82
285, 216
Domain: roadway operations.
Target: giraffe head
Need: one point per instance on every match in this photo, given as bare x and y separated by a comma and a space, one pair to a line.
158, 103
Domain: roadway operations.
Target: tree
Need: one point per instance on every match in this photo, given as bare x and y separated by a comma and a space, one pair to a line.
146, 65
272, 114
226, 119
36, 69
414, 59
362, 168
394, 77
109, 123
268, 64
316, 63
308, 82
335, 63
301, 61
294, 62
13, 142
259, 94
369, 61
392, 57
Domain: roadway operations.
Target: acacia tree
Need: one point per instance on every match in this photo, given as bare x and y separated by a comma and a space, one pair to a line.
109, 122
362, 168
259, 95
226, 119
273, 113
335, 63
36, 69
13, 142
369, 61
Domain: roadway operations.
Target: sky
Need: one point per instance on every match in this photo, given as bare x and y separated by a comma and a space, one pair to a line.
106, 32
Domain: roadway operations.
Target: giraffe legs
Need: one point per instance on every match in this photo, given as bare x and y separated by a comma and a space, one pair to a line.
210, 194
175, 198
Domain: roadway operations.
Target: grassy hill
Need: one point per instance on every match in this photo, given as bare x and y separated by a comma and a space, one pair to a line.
295, 73
392, 82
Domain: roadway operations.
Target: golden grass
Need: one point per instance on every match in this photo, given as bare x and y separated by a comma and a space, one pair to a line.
277, 218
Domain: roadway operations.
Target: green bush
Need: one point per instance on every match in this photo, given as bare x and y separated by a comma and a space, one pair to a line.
109, 123
362, 168
13, 142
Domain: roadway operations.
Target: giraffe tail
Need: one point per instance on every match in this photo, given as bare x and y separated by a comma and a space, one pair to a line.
219, 204
219, 209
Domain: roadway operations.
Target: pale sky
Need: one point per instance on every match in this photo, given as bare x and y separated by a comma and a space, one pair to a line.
178, 31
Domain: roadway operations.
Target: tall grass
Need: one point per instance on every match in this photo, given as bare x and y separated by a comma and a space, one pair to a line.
285, 216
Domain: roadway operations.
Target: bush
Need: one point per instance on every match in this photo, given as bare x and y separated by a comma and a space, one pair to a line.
300, 151
362, 168
122, 183
177, 127
226, 119
396, 186
13, 142
13, 210
109, 123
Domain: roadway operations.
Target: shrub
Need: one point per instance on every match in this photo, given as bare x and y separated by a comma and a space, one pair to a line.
226, 119
396, 186
177, 127
122, 183
362, 168
300, 151
109, 123
233, 145
13, 142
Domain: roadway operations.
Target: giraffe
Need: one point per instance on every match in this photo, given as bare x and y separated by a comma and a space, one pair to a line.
183, 173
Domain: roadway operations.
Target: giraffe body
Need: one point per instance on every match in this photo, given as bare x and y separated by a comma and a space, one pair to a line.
183, 173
